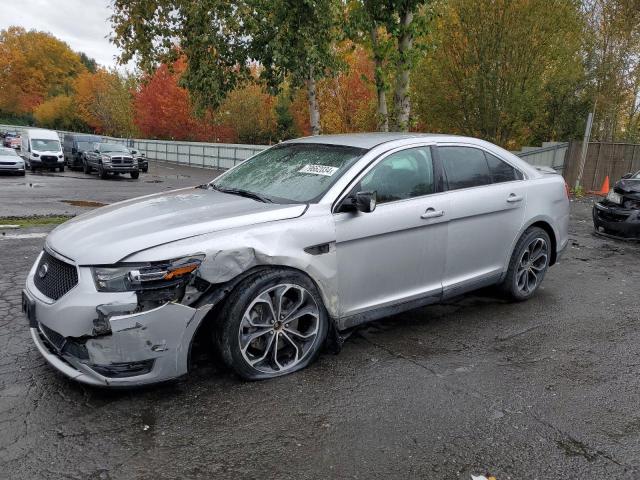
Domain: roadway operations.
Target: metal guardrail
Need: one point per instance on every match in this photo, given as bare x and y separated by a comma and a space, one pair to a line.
220, 156
546, 156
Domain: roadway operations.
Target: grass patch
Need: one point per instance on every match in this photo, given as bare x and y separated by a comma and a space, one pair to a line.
35, 221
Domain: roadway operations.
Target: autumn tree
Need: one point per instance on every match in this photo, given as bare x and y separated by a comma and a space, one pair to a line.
104, 102
496, 67
293, 40
163, 109
58, 112
33, 67
348, 99
250, 112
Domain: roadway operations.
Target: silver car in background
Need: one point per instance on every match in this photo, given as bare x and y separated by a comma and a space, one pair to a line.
280, 254
10, 161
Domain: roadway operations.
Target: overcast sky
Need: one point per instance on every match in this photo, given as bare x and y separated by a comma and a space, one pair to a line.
83, 24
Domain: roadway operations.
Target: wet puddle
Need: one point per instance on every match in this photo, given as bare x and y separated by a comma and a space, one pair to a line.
83, 203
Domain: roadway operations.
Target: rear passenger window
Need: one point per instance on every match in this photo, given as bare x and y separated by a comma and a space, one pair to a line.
501, 171
465, 167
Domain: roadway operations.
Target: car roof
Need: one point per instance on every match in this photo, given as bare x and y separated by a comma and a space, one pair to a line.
371, 140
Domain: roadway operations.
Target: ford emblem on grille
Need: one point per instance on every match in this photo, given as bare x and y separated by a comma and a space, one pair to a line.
42, 271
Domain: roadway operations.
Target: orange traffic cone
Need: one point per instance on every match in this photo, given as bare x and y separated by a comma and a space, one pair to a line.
605, 187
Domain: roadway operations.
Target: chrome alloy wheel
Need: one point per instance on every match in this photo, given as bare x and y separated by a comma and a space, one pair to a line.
279, 328
532, 265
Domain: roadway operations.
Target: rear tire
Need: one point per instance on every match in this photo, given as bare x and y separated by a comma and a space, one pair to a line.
258, 346
528, 265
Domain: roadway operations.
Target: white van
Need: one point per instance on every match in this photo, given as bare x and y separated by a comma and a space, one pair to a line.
41, 149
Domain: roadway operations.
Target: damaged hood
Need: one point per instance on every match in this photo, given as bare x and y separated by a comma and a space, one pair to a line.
628, 186
109, 234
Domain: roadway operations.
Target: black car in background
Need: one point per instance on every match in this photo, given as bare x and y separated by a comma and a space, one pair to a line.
618, 214
143, 163
75, 145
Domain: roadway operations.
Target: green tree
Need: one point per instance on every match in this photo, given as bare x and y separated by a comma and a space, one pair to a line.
498, 65
88, 62
390, 29
294, 41
210, 34
612, 50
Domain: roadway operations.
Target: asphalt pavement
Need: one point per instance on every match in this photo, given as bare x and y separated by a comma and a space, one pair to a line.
544, 389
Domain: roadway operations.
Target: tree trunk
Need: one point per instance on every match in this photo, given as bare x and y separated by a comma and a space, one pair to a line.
382, 113
314, 109
401, 102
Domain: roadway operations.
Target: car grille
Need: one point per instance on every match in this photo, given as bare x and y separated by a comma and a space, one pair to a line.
121, 160
612, 217
49, 158
7, 163
60, 277
52, 336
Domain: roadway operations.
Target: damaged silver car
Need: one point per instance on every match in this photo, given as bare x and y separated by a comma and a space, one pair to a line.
279, 255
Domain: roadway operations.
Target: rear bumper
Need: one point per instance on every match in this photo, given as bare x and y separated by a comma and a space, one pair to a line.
616, 221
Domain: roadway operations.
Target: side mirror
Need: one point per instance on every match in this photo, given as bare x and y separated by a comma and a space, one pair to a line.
143, 154
627, 175
134, 152
96, 151
364, 202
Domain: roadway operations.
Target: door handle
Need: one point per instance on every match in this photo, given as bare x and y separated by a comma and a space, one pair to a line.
513, 198
432, 213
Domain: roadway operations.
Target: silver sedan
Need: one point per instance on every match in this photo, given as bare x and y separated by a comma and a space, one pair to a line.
281, 254
10, 161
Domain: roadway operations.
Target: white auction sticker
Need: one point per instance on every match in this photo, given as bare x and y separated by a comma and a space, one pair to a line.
325, 170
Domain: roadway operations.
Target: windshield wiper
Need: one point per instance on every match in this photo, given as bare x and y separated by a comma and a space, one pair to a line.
243, 193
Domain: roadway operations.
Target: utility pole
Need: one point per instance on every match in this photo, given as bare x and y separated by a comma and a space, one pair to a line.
585, 146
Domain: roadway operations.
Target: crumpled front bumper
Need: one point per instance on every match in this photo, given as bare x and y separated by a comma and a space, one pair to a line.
139, 348
616, 221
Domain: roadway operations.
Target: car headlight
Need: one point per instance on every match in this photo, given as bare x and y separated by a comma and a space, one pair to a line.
106, 159
614, 197
147, 276
36, 155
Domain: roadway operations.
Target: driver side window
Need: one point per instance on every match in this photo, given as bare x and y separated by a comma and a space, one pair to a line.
402, 175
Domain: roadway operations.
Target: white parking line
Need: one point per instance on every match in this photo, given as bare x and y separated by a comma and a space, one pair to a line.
25, 235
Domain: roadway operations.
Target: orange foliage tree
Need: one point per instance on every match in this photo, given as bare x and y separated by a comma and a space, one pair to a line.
347, 101
163, 110
33, 67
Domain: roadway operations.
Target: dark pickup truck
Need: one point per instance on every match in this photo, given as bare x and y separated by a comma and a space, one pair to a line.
108, 158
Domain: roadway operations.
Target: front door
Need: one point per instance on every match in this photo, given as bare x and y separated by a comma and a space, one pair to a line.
395, 253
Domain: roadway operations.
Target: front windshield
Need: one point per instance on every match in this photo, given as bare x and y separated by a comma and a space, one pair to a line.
8, 152
636, 176
84, 146
39, 144
113, 147
291, 172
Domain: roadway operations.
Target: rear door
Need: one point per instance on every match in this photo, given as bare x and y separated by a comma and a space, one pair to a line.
395, 253
487, 200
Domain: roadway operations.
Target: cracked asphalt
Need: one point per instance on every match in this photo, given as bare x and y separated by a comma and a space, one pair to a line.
549, 388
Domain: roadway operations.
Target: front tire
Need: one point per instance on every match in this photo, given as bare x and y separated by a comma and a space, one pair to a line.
135, 175
272, 324
528, 265
61, 168
102, 173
